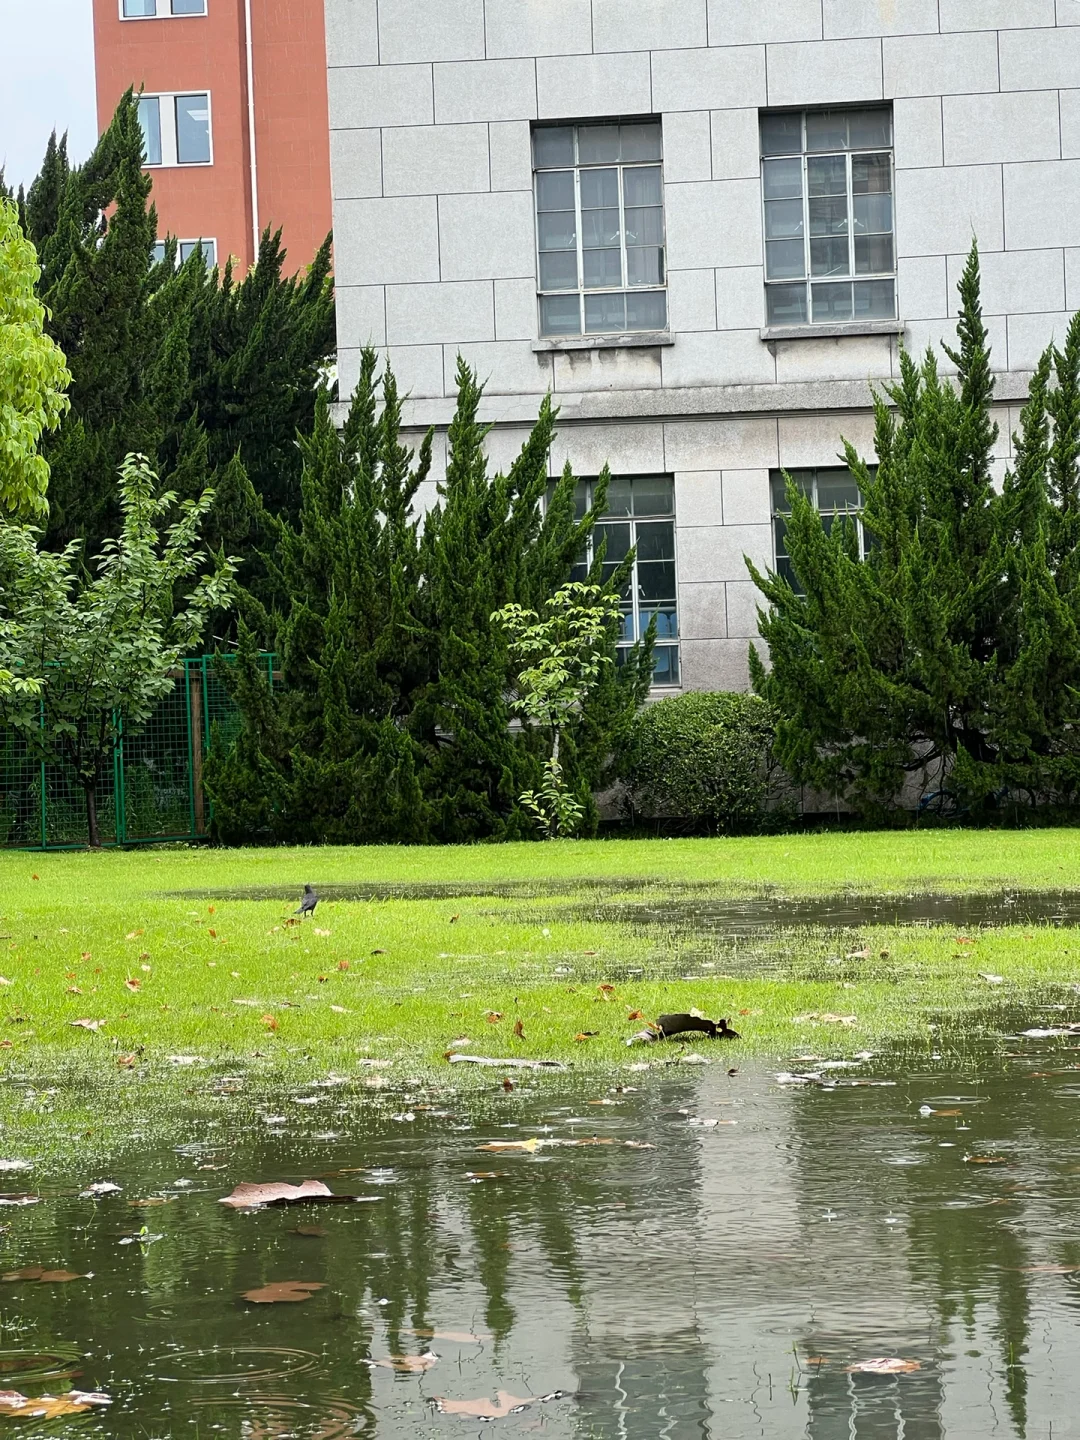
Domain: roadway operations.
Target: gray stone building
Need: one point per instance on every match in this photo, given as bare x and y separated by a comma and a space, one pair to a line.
707, 226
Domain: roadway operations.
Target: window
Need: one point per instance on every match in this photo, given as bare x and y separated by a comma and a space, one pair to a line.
828, 194
640, 514
832, 492
176, 129
600, 228
157, 254
160, 9
187, 248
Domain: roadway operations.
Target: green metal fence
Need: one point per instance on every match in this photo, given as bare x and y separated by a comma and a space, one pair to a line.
153, 790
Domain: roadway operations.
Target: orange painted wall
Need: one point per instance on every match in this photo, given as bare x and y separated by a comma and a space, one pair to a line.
207, 52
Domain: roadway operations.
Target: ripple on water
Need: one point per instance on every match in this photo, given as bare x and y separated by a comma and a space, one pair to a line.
281, 1415
237, 1363
34, 1365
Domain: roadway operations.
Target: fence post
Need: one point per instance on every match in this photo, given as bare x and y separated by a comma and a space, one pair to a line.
119, 795
195, 730
44, 808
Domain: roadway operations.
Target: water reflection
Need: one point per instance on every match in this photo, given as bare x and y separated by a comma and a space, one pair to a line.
723, 1283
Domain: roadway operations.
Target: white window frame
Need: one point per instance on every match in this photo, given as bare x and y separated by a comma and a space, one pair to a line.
852, 278
164, 11
167, 121
582, 292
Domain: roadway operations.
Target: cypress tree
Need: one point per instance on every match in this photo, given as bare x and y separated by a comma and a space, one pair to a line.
949, 654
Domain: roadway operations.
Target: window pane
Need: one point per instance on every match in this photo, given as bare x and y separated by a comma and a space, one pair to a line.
829, 257
560, 315
802, 479
827, 176
871, 174
641, 185
597, 143
603, 269
837, 490
626, 626
666, 665
553, 145
619, 494
600, 228
646, 310
654, 495
137, 9
641, 142
832, 303
150, 120
582, 499
189, 247
617, 537
781, 134
558, 270
193, 129
605, 312
829, 217
656, 540
875, 299
555, 190
645, 227
786, 304
873, 254
783, 179
870, 128
189, 7
667, 621
656, 580
557, 230
783, 218
784, 259
157, 252
873, 214
645, 265
826, 129
599, 189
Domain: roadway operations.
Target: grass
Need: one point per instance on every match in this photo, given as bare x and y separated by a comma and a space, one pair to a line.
111, 937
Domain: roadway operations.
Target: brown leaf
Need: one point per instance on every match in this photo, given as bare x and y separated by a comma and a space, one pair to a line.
985, 1160
454, 919
585, 1035
48, 1407
270, 1021
324, 979
519, 1030
484, 1409
343, 964
88, 1024
459, 1337
635, 1015
606, 991
946, 1112
73, 990
884, 1366
249, 1196
40, 1274
530, 1146
964, 940
283, 1290
86, 955
507, 1083
493, 1016
408, 1364
133, 984
133, 934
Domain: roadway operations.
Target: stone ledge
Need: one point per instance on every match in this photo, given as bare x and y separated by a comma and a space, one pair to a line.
832, 332
642, 339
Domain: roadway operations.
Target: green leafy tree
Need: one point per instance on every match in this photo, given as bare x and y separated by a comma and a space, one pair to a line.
104, 647
561, 656
950, 654
393, 719
33, 375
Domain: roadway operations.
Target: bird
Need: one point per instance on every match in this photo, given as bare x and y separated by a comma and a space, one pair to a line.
308, 903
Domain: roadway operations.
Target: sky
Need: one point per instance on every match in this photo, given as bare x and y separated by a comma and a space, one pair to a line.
46, 82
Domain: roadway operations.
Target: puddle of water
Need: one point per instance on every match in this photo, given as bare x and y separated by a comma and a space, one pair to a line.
719, 1284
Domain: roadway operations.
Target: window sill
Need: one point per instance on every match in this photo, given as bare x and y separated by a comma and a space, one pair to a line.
639, 339
832, 332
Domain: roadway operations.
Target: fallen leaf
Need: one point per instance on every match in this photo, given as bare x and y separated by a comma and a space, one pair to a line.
951, 1113
86, 955
859, 955
454, 919
73, 990
41, 1275
884, 1366
313, 1232
606, 991
529, 1146
826, 1018
309, 1192
985, 1160
88, 1024
101, 1187
503, 1405
519, 1030
283, 1290
212, 934
493, 1016
585, 1035
151, 1200
133, 934
343, 964
991, 979
48, 1407
964, 940
507, 1083
317, 931
10, 1199
133, 984
270, 1021
407, 1364
636, 1015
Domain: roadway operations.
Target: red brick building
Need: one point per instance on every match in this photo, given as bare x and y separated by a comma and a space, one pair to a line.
234, 112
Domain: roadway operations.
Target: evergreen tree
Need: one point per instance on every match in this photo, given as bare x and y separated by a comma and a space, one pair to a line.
394, 717
951, 652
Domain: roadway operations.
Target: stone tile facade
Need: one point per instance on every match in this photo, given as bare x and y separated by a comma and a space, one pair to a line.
432, 107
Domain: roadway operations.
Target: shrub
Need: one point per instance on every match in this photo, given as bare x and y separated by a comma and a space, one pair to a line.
703, 758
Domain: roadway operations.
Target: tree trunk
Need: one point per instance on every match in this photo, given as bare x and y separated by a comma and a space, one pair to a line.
93, 834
